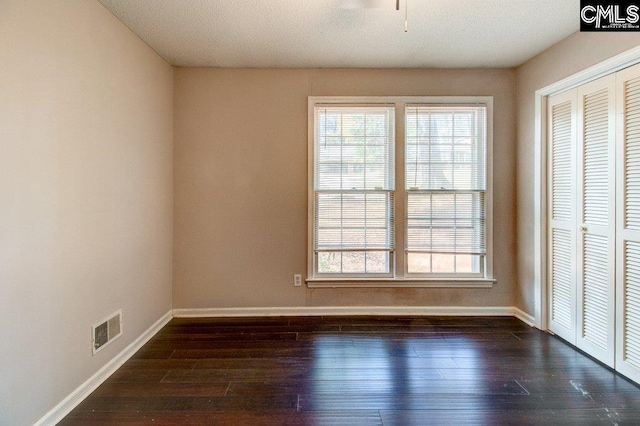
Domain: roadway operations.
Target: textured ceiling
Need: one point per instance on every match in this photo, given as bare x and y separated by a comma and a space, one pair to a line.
348, 33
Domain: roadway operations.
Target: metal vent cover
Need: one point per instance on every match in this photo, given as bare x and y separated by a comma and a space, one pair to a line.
105, 331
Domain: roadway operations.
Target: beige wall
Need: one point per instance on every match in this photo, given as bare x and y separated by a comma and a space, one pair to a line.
573, 54
87, 116
85, 195
240, 176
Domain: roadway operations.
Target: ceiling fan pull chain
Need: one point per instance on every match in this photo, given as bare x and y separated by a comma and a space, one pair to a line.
406, 15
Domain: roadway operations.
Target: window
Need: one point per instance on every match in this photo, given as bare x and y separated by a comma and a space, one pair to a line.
445, 155
399, 191
353, 190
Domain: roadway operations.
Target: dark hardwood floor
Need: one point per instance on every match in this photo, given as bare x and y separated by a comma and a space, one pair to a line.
358, 371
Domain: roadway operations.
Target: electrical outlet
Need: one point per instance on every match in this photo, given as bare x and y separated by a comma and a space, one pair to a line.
297, 280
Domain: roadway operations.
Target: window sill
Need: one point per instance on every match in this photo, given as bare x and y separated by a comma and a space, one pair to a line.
400, 283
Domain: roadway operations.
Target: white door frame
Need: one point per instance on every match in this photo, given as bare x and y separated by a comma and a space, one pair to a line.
611, 65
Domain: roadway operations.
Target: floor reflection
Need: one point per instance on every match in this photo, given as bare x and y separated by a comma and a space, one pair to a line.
339, 367
363, 371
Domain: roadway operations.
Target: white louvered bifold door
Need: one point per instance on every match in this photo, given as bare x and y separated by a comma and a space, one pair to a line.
596, 219
628, 223
562, 214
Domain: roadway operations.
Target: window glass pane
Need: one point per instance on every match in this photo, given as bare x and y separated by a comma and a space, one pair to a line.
378, 262
354, 148
353, 262
377, 124
466, 263
375, 262
438, 139
441, 123
442, 263
464, 123
329, 262
419, 263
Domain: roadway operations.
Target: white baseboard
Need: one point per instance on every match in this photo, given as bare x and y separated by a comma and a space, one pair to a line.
524, 317
356, 310
77, 396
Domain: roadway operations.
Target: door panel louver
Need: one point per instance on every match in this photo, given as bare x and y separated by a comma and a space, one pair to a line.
595, 291
562, 211
632, 304
594, 218
561, 279
561, 181
595, 144
595, 162
628, 223
632, 155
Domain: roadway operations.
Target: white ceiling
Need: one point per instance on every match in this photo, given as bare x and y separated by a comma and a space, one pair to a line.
348, 33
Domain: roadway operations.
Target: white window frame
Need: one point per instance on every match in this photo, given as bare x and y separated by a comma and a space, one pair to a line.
391, 190
399, 276
480, 263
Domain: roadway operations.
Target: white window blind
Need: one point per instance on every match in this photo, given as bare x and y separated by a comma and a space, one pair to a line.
353, 189
445, 172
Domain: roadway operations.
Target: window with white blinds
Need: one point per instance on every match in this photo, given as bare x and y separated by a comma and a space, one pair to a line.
437, 149
445, 173
354, 189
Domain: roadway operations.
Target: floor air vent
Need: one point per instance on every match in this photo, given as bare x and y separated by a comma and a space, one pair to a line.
106, 331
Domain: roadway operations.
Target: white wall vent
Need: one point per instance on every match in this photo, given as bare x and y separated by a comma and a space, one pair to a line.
105, 331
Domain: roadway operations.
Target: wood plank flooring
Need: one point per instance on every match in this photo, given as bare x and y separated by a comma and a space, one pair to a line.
358, 371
